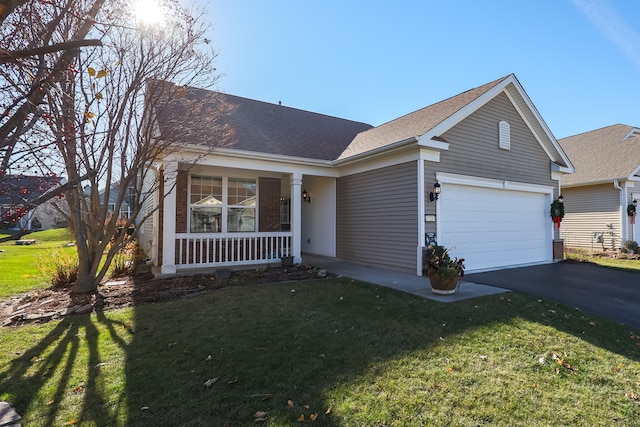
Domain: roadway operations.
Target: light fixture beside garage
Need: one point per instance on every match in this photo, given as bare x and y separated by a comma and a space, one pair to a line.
433, 196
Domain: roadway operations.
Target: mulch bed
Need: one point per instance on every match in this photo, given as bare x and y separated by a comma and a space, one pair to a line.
41, 306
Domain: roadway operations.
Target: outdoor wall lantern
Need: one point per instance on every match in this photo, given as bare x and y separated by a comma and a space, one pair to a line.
631, 209
561, 198
433, 196
305, 196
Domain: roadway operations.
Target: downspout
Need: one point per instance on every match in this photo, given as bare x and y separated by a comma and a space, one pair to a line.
624, 224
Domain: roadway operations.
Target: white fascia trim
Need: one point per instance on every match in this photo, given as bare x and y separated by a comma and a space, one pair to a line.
429, 155
532, 108
474, 181
636, 171
596, 182
376, 151
468, 109
382, 160
561, 169
431, 143
258, 161
632, 132
257, 155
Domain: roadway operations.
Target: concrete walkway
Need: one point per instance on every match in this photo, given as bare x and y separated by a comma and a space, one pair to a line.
405, 282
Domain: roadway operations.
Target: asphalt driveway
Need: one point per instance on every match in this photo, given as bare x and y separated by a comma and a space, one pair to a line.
607, 292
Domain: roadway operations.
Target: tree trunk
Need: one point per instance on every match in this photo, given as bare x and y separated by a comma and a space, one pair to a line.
84, 285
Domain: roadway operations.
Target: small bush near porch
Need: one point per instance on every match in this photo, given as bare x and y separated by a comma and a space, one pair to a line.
335, 351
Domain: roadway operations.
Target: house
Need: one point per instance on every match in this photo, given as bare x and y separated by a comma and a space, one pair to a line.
476, 172
17, 195
599, 197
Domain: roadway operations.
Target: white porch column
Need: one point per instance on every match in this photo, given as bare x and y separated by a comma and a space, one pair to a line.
296, 216
421, 210
169, 219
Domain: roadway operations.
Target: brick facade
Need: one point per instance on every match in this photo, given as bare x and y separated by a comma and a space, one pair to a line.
182, 193
269, 204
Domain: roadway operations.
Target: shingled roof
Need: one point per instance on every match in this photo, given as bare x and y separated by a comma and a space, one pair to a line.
414, 124
602, 155
256, 126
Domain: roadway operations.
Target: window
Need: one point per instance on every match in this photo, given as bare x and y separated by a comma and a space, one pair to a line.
221, 204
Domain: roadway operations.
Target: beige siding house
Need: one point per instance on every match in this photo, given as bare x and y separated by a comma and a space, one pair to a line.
292, 182
599, 195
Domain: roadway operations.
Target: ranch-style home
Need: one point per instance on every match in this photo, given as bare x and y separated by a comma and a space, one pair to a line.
599, 197
476, 172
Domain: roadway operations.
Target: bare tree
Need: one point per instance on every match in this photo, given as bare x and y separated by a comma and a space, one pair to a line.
99, 118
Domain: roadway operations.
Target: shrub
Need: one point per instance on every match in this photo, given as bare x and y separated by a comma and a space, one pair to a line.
60, 268
629, 246
126, 260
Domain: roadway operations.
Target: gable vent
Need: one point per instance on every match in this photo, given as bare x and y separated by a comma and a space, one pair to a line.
504, 135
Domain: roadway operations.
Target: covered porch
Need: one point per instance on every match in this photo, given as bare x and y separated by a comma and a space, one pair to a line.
215, 216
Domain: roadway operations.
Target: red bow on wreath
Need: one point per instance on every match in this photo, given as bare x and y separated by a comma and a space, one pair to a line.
557, 212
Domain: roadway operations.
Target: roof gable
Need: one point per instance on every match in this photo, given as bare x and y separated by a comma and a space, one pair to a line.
412, 125
603, 155
428, 124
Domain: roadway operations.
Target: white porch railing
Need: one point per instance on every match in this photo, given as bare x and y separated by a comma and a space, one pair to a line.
196, 250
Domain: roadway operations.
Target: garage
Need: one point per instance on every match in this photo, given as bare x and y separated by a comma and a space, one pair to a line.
495, 227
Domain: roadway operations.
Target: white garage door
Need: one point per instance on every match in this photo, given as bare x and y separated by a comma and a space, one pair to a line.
494, 228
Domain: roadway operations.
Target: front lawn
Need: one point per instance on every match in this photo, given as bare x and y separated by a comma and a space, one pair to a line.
337, 351
613, 259
18, 264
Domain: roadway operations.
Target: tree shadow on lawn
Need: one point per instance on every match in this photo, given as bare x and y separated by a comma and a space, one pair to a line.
46, 374
279, 348
276, 348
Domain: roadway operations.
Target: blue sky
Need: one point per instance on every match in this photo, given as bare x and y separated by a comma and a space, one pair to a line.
373, 61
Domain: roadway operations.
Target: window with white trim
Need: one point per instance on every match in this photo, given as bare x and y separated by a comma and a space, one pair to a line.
504, 135
219, 204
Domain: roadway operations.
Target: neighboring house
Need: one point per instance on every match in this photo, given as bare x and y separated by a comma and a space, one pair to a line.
288, 181
125, 208
17, 193
606, 181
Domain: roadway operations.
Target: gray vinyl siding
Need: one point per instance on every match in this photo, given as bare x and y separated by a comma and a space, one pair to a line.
376, 217
591, 209
474, 149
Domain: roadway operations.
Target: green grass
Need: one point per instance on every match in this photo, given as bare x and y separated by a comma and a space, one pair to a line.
18, 264
603, 258
369, 356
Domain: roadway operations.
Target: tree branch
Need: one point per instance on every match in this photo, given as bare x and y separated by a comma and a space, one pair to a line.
56, 47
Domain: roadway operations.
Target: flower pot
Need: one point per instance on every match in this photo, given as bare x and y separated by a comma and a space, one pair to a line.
444, 286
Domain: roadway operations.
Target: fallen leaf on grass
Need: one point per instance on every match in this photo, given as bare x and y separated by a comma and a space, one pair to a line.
51, 402
144, 408
300, 418
313, 416
260, 416
307, 406
289, 404
328, 411
232, 381
632, 396
77, 389
71, 422
208, 383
